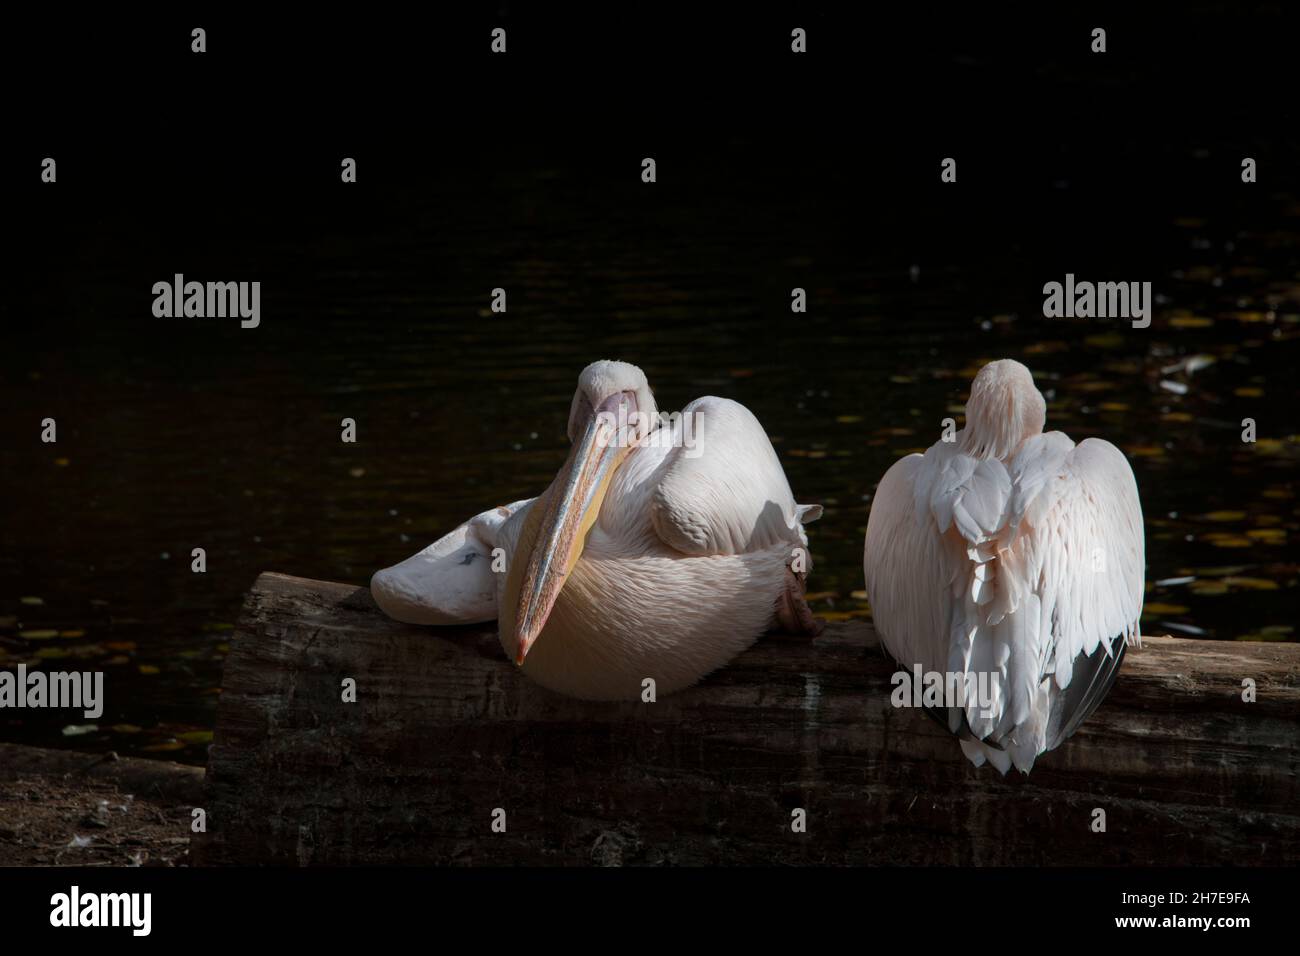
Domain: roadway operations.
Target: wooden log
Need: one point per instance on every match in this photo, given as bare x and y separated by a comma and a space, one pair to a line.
445, 731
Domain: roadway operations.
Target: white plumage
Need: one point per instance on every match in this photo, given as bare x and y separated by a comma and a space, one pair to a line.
683, 559
1012, 553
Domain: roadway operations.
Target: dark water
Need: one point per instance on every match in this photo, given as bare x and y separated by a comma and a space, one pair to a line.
183, 433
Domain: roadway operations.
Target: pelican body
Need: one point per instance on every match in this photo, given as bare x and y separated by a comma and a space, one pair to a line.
1014, 557
661, 550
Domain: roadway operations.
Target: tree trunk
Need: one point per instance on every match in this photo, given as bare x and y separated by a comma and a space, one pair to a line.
446, 736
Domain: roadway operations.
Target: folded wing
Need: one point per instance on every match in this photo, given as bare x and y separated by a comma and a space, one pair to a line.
722, 489
451, 581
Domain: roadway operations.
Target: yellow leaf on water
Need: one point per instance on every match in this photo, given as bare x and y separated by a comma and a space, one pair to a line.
73, 633
1105, 340
1252, 584
1225, 516
149, 669
196, 736
1190, 322
848, 419
1273, 632
1157, 608
1218, 572
1248, 391
39, 634
1229, 541
1209, 588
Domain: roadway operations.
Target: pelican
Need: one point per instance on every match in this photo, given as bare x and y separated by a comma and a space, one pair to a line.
1012, 553
663, 548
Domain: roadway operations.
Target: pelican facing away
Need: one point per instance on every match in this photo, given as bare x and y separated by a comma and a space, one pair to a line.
661, 550
1015, 554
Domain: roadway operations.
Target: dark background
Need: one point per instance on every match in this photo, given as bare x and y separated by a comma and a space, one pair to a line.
523, 171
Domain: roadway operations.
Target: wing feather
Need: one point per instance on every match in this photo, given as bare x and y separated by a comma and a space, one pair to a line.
724, 491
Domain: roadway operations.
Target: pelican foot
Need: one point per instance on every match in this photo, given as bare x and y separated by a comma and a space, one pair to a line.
793, 616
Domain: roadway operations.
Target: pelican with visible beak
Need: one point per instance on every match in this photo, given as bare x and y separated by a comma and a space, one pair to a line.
664, 547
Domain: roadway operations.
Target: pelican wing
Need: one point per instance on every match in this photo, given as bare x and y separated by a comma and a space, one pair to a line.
1079, 511
721, 489
451, 581
1013, 572
932, 540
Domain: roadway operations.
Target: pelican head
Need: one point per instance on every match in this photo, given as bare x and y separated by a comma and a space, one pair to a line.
1003, 410
612, 413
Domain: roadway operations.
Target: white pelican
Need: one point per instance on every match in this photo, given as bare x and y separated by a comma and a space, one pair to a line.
661, 550
1013, 553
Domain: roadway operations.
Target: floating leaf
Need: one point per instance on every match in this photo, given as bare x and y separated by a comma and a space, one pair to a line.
1225, 516
196, 736
165, 746
1144, 451
1274, 632
32, 600
79, 730
149, 669
1105, 340
1155, 608
42, 634
1251, 584
1223, 540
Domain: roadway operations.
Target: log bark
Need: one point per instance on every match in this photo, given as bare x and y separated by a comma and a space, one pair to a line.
445, 732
